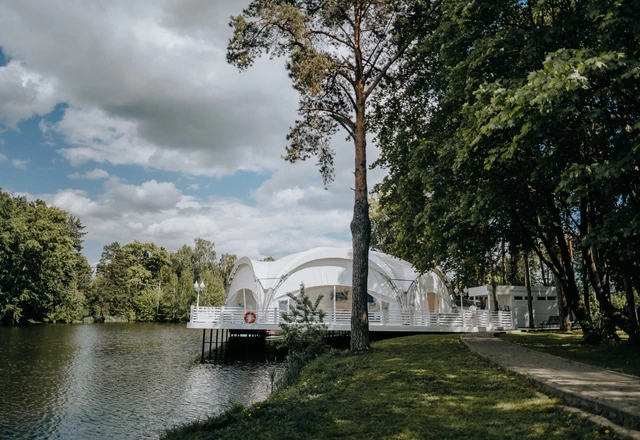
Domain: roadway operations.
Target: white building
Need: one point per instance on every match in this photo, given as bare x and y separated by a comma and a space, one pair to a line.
514, 299
393, 285
400, 299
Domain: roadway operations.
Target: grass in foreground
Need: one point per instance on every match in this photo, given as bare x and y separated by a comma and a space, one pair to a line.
622, 357
419, 387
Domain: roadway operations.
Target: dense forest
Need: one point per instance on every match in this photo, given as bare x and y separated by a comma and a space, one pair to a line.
44, 277
513, 135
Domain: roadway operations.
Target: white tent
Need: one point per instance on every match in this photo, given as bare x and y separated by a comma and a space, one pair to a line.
392, 284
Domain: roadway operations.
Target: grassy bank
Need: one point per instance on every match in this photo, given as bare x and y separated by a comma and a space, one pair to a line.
621, 357
418, 387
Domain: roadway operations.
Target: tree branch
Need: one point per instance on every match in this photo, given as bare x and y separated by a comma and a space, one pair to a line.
402, 48
341, 118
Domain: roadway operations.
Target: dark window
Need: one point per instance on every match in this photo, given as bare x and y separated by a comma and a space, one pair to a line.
341, 296
519, 298
551, 298
542, 298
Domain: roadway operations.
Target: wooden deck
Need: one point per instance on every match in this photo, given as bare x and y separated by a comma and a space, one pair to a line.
233, 318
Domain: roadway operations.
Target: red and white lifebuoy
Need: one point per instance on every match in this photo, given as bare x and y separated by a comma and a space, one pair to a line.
250, 317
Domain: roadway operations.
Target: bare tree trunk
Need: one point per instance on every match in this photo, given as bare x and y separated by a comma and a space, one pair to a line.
559, 259
361, 234
563, 308
504, 263
527, 283
597, 269
494, 290
585, 287
514, 279
631, 301
543, 273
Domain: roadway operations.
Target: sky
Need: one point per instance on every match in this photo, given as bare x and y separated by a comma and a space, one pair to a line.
127, 115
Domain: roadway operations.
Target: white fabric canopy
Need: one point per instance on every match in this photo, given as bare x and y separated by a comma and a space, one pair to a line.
392, 281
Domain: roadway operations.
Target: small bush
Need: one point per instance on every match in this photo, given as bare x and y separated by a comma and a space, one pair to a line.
603, 332
303, 329
303, 333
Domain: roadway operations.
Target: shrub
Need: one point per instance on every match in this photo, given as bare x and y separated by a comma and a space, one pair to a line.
303, 333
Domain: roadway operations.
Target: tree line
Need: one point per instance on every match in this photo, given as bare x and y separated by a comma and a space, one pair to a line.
44, 277
144, 282
513, 130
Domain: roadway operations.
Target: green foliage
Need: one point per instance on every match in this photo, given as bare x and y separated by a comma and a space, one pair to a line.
515, 124
603, 331
43, 275
303, 329
142, 282
213, 293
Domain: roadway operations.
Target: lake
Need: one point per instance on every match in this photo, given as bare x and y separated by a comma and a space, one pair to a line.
115, 380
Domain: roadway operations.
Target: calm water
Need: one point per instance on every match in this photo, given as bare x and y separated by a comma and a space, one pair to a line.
114, 381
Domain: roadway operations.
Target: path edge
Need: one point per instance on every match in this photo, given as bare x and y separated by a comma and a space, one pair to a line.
626, 419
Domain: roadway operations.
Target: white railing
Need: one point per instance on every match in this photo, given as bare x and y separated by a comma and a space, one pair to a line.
466, 319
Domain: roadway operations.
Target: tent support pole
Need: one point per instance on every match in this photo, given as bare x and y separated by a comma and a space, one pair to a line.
334, 304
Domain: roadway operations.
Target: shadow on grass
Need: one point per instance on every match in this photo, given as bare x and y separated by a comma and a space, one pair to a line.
623, 358
419, 387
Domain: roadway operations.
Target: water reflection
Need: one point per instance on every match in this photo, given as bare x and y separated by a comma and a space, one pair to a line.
115, 380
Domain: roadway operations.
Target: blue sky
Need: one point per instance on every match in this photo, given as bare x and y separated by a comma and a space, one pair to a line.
127, 115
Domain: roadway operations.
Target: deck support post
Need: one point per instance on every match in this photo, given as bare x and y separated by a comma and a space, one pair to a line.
204, 335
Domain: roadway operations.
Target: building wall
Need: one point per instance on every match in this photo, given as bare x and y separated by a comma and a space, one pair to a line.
515, 298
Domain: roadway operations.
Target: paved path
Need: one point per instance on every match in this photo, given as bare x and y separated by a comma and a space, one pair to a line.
613, 395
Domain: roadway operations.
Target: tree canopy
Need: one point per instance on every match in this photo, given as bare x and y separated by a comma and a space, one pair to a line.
43, 275
517, 122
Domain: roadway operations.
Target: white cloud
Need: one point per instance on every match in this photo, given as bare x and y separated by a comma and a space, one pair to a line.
94, 174
24, 93
147, 84
20, 164
159, 212
2, 158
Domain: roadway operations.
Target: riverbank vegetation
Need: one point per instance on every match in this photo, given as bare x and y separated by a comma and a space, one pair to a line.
623, 357
43, 274
44, 277
146, 283
426, 386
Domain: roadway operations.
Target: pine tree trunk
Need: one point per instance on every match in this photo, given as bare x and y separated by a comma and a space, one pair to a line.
361, 237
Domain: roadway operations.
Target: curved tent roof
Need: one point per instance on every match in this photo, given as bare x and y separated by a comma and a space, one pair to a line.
389, 279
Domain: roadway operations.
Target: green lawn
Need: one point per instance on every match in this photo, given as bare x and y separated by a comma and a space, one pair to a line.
622, 357
418, 387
